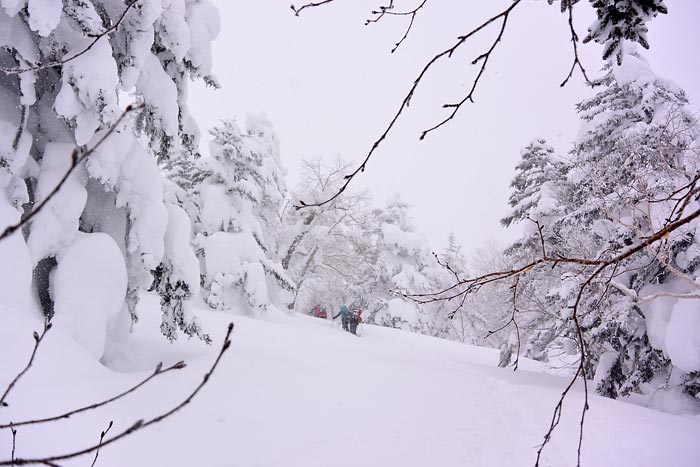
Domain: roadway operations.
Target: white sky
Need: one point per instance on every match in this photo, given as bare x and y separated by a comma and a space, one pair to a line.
330, 87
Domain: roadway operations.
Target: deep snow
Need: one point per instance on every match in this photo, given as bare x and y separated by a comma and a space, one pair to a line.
299, 391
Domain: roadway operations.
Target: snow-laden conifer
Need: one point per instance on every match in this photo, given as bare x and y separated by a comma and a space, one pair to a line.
67, 71
238, 200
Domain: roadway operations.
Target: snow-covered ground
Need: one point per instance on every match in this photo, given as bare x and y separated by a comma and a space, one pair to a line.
298, 391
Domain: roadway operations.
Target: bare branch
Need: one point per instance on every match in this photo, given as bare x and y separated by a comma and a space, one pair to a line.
447, 53
387, 10
14, 441
308, 5
512, 320
468, 286
574, 42
483, 58
102, 437
76, 160
138, 425
447, 266
159, 370
37, 341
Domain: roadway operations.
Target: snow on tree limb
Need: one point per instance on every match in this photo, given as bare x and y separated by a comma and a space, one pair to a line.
77, 158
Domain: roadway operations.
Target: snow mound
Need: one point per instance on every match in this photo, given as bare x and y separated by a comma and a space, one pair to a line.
88, 288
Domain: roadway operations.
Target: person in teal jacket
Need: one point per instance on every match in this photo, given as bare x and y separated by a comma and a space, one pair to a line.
344, 314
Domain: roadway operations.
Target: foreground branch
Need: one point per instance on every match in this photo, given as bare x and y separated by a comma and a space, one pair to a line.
447, 53
388, 10
102, 437
37, 342
569, 5
159, 370
308, 5
137, 426
464, 287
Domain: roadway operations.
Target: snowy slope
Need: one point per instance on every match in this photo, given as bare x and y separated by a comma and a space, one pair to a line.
296, 391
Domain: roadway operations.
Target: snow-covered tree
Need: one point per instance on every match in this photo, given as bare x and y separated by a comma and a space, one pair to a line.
239, 201
404, 265
629, 176
638, 150
64, 70
327, 250
533, 189
619, 21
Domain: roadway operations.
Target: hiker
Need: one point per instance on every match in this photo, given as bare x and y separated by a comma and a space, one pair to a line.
344, 314
353, 320
319, 312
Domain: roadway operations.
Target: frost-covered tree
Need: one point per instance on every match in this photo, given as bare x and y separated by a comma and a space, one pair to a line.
619, 21
537, 178
404, 265
638, 150
65, 68
239, 201
630, 175
327, 250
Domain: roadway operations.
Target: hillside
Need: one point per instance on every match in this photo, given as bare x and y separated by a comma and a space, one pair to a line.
299, 391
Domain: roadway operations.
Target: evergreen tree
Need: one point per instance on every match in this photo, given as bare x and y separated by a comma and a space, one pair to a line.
63, 68
243, 191
636, 156
622, 20
405, 265
538, 175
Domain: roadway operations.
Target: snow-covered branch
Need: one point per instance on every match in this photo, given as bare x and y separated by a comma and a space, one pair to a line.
77, 158
95, 39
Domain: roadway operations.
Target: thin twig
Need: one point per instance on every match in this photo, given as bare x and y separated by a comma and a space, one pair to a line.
407, 99
102, 437
379, 14
37, 341
387, 10
159, 370
574, 42
138, 425
447, 266
308, 5
512, 320
14, 441
483, 58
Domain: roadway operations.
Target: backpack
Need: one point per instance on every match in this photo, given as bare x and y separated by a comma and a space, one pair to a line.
354, 316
